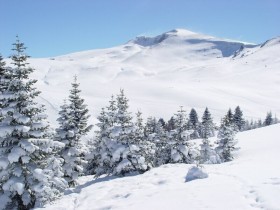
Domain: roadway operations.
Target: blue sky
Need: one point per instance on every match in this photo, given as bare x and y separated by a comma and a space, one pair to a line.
56, 27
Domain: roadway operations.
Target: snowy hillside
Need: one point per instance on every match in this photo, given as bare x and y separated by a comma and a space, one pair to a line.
251, 181
160, 74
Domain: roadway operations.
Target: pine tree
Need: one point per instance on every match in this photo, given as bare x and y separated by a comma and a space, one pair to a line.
146, 148
207, 154
131, 158
150, 128
229, 116
4, 73
268, 119
238, 119
207, 125
181, 126
4, 82
72, 126
171, 124
163, 149
101, 158
126, 149
162, 122
226, 139
25, 142
193, 124
180, 148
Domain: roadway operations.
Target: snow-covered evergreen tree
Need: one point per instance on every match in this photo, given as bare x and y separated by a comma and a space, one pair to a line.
124, 147
193, 124
72, 126
163, 149
4, 81
94, 157
170, 124
25, 142
207, 154
4, 73
180, 148
238, 119
207, 126
162, 122
182, 135
104, 144
147, 148
226, 139
229, 116
268, 119
130, 152
150, 128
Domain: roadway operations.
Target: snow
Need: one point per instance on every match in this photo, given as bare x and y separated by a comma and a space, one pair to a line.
186, 68
251, 181
3, 163
158, 75
15, 154
195, 173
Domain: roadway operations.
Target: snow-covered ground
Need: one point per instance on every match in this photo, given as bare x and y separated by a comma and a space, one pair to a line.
251, 181
160, 74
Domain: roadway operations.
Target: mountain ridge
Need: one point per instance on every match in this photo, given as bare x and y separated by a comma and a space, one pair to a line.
160, 78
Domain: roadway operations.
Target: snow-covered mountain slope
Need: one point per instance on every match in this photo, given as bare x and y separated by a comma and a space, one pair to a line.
251, 181
162, 73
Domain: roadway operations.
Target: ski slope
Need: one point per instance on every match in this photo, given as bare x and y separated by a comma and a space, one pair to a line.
159, 74
251, 181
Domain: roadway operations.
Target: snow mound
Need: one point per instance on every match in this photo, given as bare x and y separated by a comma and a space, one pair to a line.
195, 173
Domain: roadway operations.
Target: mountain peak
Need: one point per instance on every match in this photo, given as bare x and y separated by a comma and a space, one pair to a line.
180, 33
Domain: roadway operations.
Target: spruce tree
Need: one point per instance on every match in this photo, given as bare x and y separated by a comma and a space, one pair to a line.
207, 125
163, 149
104, 144
207, 153
268, 119
238, 119
124, 148
229, 116
73, 126
146, 148
171, 124
131, 158
4, 81
150, 128
193, 124
226, 139
181, 126
25, 142
180, 148
4, 74
162, 122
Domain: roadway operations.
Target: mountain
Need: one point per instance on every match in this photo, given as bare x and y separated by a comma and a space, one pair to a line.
161, 73
251, 181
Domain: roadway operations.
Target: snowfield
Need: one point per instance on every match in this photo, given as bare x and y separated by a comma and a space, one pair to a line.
251, 181
159, 74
